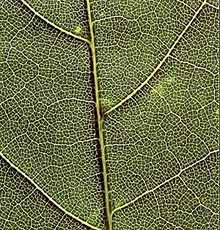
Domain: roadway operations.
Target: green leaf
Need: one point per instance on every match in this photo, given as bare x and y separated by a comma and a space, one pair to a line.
109, 114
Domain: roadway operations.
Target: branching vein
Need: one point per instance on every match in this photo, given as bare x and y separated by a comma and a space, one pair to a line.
165, 182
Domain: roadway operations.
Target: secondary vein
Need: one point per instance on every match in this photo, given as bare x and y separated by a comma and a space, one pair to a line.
54, 25
165, 182
160, 64
47, 196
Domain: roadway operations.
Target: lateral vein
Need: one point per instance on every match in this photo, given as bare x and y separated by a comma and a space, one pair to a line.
47, 196
165, 182
54, 25
160, 64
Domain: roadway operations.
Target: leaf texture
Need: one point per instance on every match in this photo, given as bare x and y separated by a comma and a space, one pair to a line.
109, 114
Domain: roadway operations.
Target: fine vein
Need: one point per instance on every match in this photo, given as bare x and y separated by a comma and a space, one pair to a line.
215, 7
193, 65
99, 119
160, 64
47, 196
54, 25
165, 182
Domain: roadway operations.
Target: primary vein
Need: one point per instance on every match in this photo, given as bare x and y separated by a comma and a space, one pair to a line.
99, 119
160, 64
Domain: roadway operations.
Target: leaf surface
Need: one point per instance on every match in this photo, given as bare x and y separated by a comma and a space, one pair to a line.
109, 114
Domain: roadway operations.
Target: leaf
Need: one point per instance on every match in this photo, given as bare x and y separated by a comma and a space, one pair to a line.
109, 114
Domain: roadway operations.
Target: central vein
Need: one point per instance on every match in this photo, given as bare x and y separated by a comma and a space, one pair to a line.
99, 119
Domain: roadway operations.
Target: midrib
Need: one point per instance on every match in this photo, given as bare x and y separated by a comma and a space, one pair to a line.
99, 120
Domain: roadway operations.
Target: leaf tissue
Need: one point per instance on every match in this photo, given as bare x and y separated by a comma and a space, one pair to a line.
109, 115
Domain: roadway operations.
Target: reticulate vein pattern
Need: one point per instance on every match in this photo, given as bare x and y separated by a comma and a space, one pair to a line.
109, 114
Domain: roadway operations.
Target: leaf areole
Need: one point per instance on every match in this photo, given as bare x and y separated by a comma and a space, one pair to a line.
78, 30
